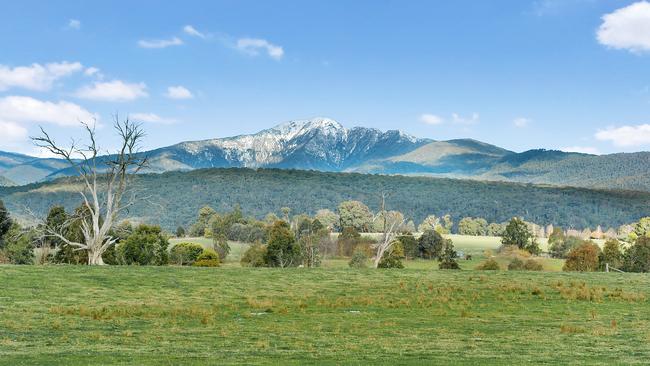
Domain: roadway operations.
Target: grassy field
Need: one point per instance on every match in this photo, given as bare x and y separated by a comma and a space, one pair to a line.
76, 315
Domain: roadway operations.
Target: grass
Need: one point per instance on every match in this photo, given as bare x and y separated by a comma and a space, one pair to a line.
76, 315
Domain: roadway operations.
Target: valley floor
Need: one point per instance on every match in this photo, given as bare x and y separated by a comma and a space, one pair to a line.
76, 315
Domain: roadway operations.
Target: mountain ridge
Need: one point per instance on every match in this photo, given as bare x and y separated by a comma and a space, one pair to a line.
324, 144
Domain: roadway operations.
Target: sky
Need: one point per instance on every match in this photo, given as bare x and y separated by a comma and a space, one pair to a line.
555, 74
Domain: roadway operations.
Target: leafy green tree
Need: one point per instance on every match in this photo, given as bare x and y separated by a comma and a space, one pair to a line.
637, 257
583, 258
204, 216
56, 219
309, 250
642, 228
430, 245
517, 233
611, 254
495, 229
282, 249
560, 247
328, 218
221, 246
430, 222
448, 257
147, 245
5, 223
73, 232
348, 241
185, 254
19, 245
180, 232
473, 226
254, 256
355, 214
410, 245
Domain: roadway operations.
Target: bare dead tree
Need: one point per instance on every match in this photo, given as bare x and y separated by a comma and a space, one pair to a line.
390, 231
105, 182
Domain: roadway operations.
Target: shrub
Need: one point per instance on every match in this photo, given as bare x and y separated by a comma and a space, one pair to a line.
282, 250
448, 257
533, 265
393, 257
637, 257
185, 253
208, 258
489, 265
147, 245
359, 259
611, 254
430, 244
254, 256
516, 265
410, 245
583, 258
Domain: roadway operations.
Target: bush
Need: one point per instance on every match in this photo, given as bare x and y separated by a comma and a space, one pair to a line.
208, 258
448, 257
637, 257
516, 265
430, 244
611, 254
532, 265
517, 233
185, 254
410, 245
489, 265
282, 250
359, 260
583, 258
254, 256
147, 245
393, 257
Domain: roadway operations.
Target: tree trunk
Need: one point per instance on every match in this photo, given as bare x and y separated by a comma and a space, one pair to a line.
95, 259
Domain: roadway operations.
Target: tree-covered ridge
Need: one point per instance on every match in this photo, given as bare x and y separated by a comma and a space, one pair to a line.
173, 198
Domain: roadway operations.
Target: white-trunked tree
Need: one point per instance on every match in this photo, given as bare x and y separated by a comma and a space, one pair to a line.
105, 180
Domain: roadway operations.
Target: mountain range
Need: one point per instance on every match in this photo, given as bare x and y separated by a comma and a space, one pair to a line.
325, 145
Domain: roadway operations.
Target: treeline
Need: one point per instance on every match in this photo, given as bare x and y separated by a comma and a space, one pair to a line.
172, 199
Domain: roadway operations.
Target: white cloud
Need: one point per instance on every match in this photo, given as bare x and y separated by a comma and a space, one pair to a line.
627, 28
626, 136
431, 119
74, 24
581, 149
178, 92
36, 77
114, 91
474, 118
29, 110
160, 43
11, 133
150, 117
93, 71
188, 29
521, 122
253, 46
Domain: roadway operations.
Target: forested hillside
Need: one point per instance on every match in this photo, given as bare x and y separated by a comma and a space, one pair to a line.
173, 198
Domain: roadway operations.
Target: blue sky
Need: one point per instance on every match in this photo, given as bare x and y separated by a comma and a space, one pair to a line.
562, 74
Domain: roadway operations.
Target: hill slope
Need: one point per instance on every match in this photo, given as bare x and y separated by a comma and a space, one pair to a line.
175, 197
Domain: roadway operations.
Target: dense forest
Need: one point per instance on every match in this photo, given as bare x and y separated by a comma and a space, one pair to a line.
172, 199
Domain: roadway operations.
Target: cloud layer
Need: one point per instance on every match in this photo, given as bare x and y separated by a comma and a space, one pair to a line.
178, 92
627, 28
253, 47
626, 136
113, 91
36, 77
160, 43
20, 109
